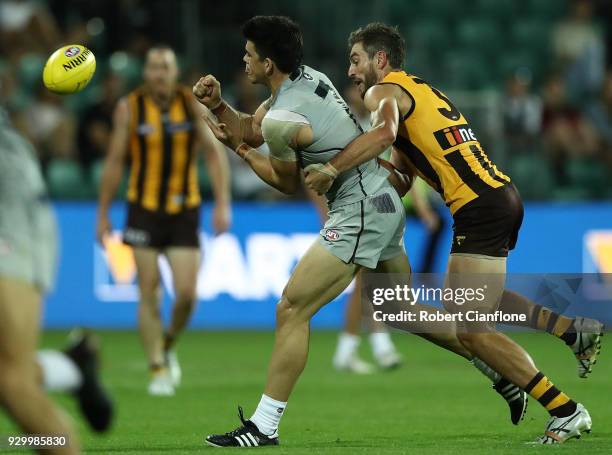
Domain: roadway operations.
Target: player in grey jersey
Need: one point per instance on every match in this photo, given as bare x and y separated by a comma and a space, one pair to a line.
305, 123
27, 263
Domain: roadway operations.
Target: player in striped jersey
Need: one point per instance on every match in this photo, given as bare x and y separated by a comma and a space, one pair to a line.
160, 126
438, 144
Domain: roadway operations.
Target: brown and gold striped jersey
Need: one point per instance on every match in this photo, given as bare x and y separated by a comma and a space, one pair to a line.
441, 145
163, 173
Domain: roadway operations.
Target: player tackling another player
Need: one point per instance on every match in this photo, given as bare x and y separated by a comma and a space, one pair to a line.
438, 144
306, 123
159, 124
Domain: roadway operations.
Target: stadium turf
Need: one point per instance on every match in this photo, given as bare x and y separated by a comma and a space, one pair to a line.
436, 403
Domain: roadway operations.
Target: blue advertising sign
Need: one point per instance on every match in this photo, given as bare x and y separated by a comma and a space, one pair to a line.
243, 272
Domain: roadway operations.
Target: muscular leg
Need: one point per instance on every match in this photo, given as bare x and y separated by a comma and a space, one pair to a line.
149, 320
318, 278
538, 317
20, 391
184, 263
496, 349
445, 335
446, 332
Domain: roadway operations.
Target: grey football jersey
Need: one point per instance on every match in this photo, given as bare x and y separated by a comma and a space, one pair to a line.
311, 94
28, 237
21, 181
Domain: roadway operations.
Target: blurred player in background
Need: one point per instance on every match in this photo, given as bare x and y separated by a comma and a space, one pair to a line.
28, 246
419, 206
436, 142
159, 125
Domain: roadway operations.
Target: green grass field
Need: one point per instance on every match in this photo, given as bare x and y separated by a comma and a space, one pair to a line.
436, 403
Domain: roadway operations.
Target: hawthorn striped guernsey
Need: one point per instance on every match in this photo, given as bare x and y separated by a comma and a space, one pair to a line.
441, 145
163, 171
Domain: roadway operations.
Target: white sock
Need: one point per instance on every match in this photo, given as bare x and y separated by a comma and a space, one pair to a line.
268, 414
346, 348
59, 371
381, 343
486, 370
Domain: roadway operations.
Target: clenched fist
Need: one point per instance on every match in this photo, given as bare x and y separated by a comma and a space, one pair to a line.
208, 91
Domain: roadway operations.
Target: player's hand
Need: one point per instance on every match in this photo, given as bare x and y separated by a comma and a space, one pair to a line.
208, 91
224, 134
320, 177
103, 228
222, 218
401, 182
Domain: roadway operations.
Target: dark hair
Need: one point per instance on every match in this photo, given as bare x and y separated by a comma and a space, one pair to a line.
277, 38
377, 36
160, 47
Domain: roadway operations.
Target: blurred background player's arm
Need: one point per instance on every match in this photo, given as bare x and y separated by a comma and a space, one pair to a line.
113, 167
423, 208
247, 126
218, 169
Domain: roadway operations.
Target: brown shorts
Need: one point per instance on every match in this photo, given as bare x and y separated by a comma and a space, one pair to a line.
489, 225
149, 229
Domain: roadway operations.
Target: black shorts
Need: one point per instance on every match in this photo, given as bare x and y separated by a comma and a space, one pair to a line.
149, 229
489, 225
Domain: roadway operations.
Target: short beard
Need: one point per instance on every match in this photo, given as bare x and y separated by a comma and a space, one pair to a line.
370, 78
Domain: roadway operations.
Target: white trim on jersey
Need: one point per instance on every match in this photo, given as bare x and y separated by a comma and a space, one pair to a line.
286, 116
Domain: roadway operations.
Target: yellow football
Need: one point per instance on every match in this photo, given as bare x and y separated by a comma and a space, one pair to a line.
69, 69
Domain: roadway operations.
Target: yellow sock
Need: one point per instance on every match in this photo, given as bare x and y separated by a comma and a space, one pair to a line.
556, 402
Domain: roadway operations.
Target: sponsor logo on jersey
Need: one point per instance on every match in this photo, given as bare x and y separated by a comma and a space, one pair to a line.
144, 129
177, 127
459, 239
76, 61
454, 135
332, 235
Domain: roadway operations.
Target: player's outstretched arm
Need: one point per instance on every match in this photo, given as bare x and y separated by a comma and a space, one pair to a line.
219, 171
277, 170
247, 126
114, 163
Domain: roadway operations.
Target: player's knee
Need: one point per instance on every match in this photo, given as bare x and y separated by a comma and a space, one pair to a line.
149, 308
286, 310
185, 297
149, 294
291, 309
